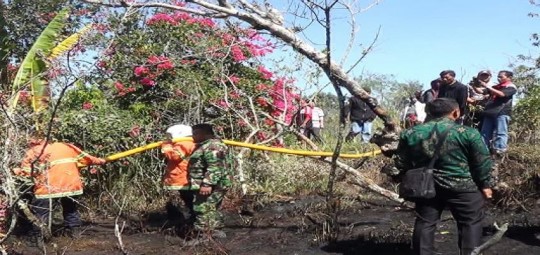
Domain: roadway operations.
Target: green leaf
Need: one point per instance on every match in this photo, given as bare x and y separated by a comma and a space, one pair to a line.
33, 66
5, 47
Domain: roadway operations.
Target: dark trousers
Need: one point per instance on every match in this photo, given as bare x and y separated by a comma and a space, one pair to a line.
72, 218
173, 212
467, 209
315, 133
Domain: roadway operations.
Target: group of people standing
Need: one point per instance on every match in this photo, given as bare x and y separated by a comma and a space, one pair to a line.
462, 170
361, 117
311, 120
199, 168
482, 104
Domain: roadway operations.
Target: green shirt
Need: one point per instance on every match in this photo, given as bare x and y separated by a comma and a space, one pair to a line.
210, 164
464, 163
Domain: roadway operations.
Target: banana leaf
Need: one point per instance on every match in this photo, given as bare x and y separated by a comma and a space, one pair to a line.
32, 70
69, 42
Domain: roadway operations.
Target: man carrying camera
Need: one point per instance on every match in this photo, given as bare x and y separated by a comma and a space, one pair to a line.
477, 99
496, 114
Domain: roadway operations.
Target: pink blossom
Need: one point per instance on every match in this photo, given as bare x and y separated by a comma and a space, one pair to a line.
180, 3
166, 65
268, 122
153, 60
242, 123
147, 82
134, 131
119, 86
101, 64
12, 67
277, 143
261, 135
234, 94
182, 16
264, 72
227, 39
206, 22
93, 170
262, 101
188, 62
223, 104
54, 72
234, 79
179, 92
237, 53
24, 96
162, 18
283, 97
140, 71
87, 106
261, 87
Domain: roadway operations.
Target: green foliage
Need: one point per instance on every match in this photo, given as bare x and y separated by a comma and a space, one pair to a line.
5, 47
25, 21
527, 111
391, 94
32, 68
154, 75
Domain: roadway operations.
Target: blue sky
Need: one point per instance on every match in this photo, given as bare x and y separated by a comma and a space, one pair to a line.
420, 38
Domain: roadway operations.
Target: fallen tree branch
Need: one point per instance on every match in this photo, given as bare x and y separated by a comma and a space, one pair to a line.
493, 240
365, 182
118, 233
32, 218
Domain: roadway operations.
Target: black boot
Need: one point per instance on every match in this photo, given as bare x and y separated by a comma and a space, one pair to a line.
73, 232
35, 238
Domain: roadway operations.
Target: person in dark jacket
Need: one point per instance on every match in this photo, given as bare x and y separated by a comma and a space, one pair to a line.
462, 175
361, 117
451, 88
432, 93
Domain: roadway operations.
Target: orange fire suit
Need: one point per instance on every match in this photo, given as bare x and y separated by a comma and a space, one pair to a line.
176, 175
56, 172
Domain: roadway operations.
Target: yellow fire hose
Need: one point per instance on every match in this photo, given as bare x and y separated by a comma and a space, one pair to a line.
246, 145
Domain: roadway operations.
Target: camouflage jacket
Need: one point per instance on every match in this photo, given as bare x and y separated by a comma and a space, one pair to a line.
464, 163
210, 164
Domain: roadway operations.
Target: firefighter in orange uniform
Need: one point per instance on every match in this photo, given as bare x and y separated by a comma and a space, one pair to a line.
176, 174
56, 176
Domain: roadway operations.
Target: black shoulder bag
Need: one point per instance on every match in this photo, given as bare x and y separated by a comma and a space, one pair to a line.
418, 183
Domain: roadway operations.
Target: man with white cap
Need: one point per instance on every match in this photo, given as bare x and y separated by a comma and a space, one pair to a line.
176, 173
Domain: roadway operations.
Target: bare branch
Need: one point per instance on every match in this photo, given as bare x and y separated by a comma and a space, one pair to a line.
373, 4
123, 4
352, 23
493, 240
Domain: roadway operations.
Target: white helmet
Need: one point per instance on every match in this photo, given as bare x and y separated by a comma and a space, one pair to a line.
178, 131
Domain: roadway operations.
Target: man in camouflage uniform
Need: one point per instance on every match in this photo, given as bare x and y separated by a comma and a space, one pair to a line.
462, 175
210, 170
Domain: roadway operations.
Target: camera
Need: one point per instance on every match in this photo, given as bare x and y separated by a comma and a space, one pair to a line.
475, 82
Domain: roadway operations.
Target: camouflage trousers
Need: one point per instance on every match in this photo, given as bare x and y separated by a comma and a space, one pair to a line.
4, 207
206, 208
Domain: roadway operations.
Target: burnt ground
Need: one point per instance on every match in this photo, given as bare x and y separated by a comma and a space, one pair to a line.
291, 227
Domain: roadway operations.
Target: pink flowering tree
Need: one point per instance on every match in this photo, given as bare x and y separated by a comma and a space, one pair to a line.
176, 67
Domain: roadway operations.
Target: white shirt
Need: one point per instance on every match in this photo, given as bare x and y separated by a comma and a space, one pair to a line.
317, 116
420, 111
